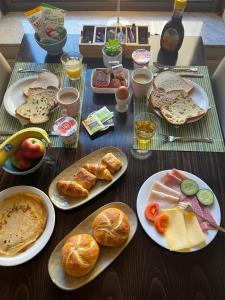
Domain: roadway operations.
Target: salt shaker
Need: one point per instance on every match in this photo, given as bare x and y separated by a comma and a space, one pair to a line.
122, 97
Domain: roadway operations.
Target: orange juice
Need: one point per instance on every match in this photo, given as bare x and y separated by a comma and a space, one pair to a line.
73, 68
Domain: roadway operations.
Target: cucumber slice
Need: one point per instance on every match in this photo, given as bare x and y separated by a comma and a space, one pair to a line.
189, 187
205, 197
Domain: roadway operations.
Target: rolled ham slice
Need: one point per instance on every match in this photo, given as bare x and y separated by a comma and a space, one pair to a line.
164, 200
178, 174
202, 211
171, 181
159, 187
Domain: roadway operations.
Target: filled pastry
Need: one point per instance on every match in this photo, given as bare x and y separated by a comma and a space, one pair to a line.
100, 171
85, 178
71, 188
111, 162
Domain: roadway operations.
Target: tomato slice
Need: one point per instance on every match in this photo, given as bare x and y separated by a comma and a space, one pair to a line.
151, 211
161, 222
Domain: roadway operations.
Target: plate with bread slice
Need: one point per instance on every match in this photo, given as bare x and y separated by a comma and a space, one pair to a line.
87, 177
31, 99
92, 246
179, 101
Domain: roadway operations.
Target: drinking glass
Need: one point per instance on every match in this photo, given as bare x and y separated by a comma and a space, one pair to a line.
72, 64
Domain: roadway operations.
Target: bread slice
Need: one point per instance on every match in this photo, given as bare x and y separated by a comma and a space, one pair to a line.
159, 98
38, 105
180, 110
170, 81
44, 80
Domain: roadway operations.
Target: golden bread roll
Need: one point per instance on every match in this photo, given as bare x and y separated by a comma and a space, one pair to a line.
85, 178
111, 162
111, 227
79, 254
100, 171
71, 188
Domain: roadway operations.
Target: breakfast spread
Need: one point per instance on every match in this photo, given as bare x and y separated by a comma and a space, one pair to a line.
86, 176
111, 227
22, 220
171, 98
182, 229
79, 254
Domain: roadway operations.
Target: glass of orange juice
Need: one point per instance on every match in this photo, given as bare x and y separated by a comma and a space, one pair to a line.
72, 64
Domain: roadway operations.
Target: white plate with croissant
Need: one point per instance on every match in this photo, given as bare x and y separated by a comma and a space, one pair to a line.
87, 177
81, 255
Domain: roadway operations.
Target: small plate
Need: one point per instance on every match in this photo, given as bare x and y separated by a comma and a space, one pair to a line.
142, 201
39, 244
199, 96
108, 90
64, 202
14, 96
106, 257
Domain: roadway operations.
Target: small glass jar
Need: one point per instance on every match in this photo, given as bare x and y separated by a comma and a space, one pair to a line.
66, 127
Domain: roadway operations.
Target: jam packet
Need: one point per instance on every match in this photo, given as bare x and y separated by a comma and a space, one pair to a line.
52, 24
118, 73
101, 78
34, 16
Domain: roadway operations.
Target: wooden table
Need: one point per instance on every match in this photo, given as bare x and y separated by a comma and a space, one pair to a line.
144, 270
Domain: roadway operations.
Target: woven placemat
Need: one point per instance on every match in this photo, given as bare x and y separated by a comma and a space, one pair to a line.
9, 123
208, 126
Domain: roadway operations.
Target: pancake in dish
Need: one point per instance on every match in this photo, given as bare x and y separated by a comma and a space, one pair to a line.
23, 218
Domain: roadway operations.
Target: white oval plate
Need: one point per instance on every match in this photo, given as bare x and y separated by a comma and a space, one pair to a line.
65, 202
142, 201
199, 96
35, 248
14, 96
106, 257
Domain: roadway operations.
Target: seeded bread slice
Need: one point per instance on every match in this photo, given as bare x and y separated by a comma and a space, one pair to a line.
159, 98
38, 105
181, 110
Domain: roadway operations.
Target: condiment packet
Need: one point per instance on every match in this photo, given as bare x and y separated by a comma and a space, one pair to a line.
103, 114
66, 127
93, 124
101, 78
109, 123
118, 73
34, 16
52, 24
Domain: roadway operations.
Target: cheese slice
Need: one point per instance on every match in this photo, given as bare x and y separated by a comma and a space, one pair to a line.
176, 233
194, 232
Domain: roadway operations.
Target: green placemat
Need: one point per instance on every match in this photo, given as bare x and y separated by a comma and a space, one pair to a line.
9, 123
208, 126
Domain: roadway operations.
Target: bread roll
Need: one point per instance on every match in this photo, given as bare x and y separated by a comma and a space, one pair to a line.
111, 227
79, 255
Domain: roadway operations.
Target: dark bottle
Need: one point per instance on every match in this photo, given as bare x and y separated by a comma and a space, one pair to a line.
173, 32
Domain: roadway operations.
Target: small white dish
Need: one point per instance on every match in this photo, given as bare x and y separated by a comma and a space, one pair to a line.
108, 90
40, 243
142, 201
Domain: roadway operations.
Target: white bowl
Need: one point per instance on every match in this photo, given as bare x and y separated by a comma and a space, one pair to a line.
35, 248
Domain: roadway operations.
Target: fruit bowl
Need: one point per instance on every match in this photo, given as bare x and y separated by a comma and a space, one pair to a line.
9, 168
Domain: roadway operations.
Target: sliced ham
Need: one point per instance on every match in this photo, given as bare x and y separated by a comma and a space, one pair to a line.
164, 200
159, 187
171, 181
178, 174
201, 211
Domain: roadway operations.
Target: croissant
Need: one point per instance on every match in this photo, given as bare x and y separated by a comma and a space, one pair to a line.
71, 188
85, 178
100, 171
111, 162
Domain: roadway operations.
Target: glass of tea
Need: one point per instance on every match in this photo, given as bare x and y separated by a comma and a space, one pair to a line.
72, 64
145, 125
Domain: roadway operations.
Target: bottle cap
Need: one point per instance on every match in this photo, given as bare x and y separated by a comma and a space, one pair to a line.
180, 4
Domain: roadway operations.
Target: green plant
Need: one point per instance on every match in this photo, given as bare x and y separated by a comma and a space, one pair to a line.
112, 47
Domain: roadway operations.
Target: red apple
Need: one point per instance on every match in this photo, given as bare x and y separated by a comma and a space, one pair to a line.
33, 148
19, 161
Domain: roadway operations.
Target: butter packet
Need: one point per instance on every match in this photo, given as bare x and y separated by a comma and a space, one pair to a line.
103, 114
93, 124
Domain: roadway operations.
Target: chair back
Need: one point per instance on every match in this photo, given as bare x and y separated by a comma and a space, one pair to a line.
5, 71
218, 83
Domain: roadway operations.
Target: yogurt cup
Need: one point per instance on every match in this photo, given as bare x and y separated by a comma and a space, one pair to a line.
66, 127
141, 58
